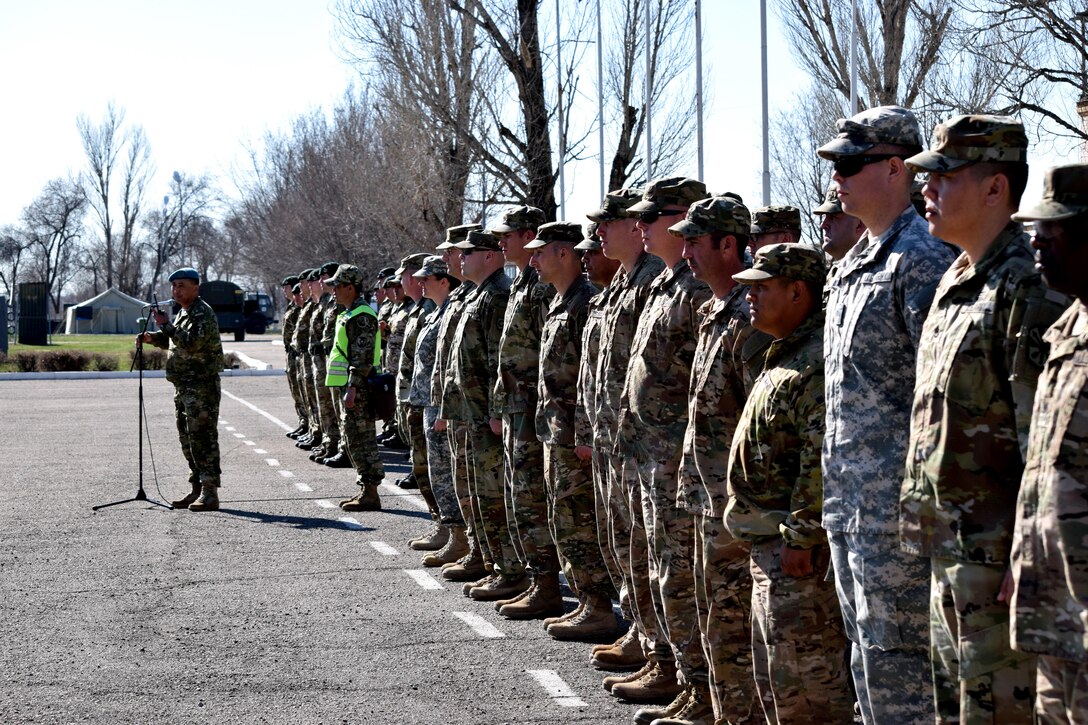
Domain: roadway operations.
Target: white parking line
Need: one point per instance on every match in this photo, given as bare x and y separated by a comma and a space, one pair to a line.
239, 435
325, 504
556, 688
349, 521
412, 498
286, 474
423, 578
383, 548
260, 451
230, 428
302, 487
272, 462
249, 443
255, 409
479, 625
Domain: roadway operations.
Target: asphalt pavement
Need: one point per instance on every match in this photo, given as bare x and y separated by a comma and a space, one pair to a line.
279, 608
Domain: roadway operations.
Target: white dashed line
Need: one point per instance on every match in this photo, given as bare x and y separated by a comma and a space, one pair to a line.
260, 451
230, 428
423, 578
272, 462
479, 625
302, 487
383, 548
286, 474
239, 435
249, 443
556, 688
255, 409
412, 498
325, 504
349, 521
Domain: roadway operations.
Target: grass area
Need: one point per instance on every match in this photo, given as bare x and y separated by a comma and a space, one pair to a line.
116, 346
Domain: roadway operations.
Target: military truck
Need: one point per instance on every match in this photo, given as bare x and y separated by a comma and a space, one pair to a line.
237, 311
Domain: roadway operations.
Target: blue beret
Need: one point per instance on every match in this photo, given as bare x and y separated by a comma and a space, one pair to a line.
185, 273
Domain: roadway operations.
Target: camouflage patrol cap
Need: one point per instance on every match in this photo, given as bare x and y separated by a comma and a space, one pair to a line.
793, 261
385, 272
963, 140
478, 239
879, 125
412, 261
776, 218
290, 281
346, 274
615, 205
458, 234
831, 203
592, 242
391, 281
517, 219
433, 265
1065, 195
329, 268
672, 190
716, 215
556, 232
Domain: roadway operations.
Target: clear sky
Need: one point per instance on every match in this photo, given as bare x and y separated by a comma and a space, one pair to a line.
206, 78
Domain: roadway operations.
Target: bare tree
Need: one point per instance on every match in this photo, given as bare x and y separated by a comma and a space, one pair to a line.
54, 224
14, 242
170, 231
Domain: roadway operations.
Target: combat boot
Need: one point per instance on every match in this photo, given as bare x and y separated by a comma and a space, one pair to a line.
208, 500
625, 654
297, 432
469, 567
481, 582
500, 587
500, 603
340, 460
647, 715
658, 686
316, 452
595, 621
613, 680
455, 548
569, 615
433, 540
408, 482
366, 500
183, 503
544, 599
696, 711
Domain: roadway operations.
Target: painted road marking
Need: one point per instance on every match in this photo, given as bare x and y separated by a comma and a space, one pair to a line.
412, 498
272, 462
230, 428
286, 474
249, 443
423, 578
383, 548
239, 435
349, 521
325, 504
302, 487
480, 625
260, 451
556, 688
257, 410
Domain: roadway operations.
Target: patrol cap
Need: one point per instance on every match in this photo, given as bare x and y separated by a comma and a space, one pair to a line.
458, 234
776, 218
964, 140
793, 261
831, 203
290, 281
672, 190
412, 261
346, 274
478, 239
615, 205
391, 281
184, 273
297, 289
556, 232
716, 215
433, 265
385, 272
1065, 195
517, 219
329, 268
592, 242
878, 125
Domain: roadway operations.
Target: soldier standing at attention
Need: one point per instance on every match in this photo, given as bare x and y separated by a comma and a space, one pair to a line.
979, 359
775, 495
471, 376
878, 298
568, 472
840, 231
1050, 546
355, 355
305, 369
193, 365
400, 304
651, 438
715, 234
516, 389
774, 224
331, 455
329, 432
290, 320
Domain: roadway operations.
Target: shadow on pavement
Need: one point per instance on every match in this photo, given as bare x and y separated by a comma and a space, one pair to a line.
297, 522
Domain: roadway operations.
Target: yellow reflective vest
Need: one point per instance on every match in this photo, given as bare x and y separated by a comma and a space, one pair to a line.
336, 375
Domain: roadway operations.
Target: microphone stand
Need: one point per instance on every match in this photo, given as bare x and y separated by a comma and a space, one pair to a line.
141, 414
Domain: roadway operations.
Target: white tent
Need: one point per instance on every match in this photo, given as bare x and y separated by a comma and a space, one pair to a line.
110, 312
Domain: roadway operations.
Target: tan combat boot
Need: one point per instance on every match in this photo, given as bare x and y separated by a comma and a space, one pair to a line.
595, 622
630, 633
647, 715
366, 500
455, 548
658, 686
208, 500
481, 582
433, 540
469, 567
499, 604
569, 615
499, 587
626, 654
612, 680
544, 599
183, 503
696, 711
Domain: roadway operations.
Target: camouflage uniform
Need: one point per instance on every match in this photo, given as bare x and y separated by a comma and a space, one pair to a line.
290, 322
651, 435
327, 401
410, 421
470, 377
626, 531
306, 370
193, 366
569, 479
978, 362
398, 320
357, 422
775, 496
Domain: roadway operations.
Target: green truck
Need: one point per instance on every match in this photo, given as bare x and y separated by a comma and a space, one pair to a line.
238, 311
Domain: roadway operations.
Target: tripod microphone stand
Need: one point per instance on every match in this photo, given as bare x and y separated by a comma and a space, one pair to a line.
138, 361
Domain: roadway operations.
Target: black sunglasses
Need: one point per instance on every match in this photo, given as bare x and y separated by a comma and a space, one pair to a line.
649, 217
846, 166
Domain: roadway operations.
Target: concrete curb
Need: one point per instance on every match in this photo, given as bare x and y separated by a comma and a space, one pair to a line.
88, 375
